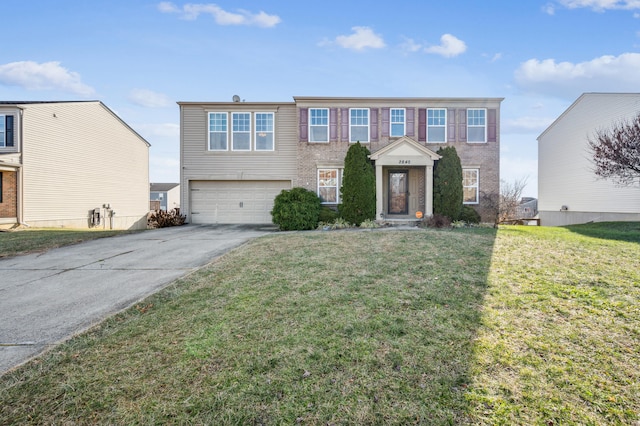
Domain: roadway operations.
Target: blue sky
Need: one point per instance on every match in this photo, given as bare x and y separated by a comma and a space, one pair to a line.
141, 57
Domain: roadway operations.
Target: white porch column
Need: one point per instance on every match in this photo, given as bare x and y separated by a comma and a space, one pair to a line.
379, 204
428, 189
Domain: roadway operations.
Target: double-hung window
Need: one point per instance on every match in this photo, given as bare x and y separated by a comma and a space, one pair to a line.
318, 125
3, 132
329, 186
218, 131
397, 122
241, 131
476, 125
470, 186
436, 125
264, 131
359, 125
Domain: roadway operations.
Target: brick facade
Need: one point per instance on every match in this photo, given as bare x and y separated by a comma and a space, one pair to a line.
482, 156
9, 203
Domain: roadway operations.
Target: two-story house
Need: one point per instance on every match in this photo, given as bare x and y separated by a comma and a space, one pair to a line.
71, 164
237, 156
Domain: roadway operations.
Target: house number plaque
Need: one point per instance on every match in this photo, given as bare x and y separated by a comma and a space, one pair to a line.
404, 161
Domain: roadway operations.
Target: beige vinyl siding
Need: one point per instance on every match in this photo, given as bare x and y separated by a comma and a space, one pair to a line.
200, 164
78, 156
565, 171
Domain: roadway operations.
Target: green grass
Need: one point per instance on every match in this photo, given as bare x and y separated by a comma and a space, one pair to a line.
523, 325
37, 240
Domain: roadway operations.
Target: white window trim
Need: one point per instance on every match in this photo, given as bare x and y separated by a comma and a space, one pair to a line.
209, 131
319, 125
338, 183
391, 122
444, 125
368, 124
273, 131
474, 126
477, 185
249, 131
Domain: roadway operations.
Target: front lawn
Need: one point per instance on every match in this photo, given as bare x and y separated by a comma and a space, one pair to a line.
523, 325
41, 239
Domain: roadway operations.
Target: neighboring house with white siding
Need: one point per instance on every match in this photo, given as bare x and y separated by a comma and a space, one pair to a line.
236, 157
569, 192
165, 195
68, 164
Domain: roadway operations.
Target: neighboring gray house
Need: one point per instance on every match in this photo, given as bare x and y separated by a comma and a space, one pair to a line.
166, 196
71, 164
236, 157
569, 192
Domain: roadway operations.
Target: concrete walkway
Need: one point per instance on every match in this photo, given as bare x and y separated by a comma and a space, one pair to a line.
46, 298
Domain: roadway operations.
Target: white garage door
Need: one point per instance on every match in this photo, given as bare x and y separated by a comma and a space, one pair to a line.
234, 201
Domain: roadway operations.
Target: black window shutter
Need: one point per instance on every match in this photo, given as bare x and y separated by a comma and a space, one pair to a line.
9, 130
410, 130
451, 125
385, 122
492, 125
373, 128
422, 124
304, 112
333, 124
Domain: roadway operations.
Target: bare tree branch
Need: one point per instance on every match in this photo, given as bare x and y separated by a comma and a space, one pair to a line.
616, 152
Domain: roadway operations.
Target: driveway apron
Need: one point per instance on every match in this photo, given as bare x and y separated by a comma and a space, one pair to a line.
46, 298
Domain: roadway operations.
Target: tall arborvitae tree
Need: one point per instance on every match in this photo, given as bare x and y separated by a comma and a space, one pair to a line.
447, 184
358, 186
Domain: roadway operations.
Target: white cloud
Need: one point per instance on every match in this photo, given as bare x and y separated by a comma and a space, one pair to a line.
601, 5
450, 46
409, 45
45, 76
191, 11
362, 38
148, 98
549, 9
603, 74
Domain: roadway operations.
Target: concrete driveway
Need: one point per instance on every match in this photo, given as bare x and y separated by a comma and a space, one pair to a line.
46, 298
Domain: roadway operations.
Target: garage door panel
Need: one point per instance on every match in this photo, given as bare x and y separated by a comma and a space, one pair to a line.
234, 201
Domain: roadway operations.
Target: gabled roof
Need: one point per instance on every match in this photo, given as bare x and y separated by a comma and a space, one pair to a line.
580, 99
405, 140
19, 103
162, 187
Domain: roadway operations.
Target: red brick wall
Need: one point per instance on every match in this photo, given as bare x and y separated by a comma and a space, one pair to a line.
9, 204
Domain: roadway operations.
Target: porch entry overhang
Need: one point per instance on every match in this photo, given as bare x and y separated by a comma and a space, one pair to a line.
404, 159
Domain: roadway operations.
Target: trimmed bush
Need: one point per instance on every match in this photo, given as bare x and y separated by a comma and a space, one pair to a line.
469, 215
358, 186
328, 215
297, 209
447, 184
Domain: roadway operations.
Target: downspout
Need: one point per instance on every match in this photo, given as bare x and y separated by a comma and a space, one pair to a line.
20, 183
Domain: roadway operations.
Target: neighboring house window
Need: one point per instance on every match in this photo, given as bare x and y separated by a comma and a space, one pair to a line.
476, 125
3, 132
397, 123
318, 125
241, 131
264, 131
329, 185
359, 125
436, 125
470, 180
218, 131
